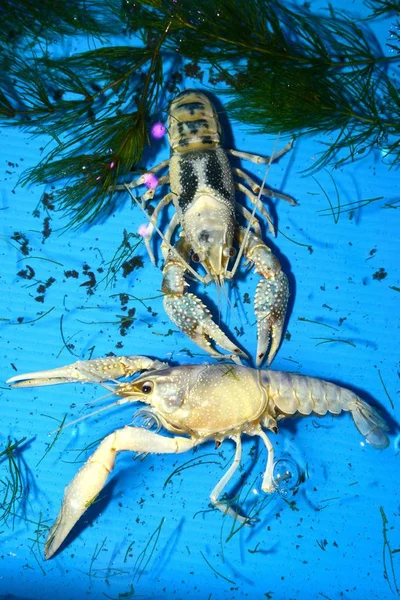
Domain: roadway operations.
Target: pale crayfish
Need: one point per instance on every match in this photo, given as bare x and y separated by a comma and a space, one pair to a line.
203, 192
202, 402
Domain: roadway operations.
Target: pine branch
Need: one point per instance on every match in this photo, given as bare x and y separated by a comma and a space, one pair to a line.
28, 22
285, 69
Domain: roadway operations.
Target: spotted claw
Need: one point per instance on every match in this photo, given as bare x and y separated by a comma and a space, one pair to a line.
270, 308
87, 371
193, 318
272, 295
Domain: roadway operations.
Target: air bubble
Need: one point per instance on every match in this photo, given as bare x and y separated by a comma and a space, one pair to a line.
285, 476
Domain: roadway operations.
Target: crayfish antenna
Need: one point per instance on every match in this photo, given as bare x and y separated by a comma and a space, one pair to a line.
219, 303
256, 205
95, 412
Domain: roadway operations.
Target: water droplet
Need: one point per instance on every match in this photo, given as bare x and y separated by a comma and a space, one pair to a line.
285, 476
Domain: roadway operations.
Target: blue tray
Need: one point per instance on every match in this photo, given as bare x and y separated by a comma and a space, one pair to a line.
152, 534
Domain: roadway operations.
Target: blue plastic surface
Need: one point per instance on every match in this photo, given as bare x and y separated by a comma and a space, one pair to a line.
153, 540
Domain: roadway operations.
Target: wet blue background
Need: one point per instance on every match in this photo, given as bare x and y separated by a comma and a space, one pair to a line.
331, 545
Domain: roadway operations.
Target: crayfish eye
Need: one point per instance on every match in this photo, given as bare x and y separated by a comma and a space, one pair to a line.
195, 257
147, 387
230, 252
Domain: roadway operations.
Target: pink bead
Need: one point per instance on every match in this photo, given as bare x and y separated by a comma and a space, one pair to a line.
144, 230
150, 181
112, 165
158, 130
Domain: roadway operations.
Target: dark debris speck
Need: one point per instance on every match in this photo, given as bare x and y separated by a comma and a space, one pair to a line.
71, 273
124, 299
46, 231
127, 321
23, 242
91, 282
130, 265
27, 273
193, 70
380, 274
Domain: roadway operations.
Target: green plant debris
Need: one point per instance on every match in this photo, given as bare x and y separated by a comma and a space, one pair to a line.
193, 462
40, 258
22, 322
81, 451
90, 354
66, 343
395, 288
334, 341
139, 567
169, 332
122, 255
128, 550
129, 594
255, 549
385, 388
336, 214
393, 204
291, 503
351, 207
386, 548
322, 544
57, 435
141, 300
11, 244
41, 530
296, 362
317, 323
123, 321
13, 484
217, 573
252, 514
230, 372
94, 500
98, 549
308, 246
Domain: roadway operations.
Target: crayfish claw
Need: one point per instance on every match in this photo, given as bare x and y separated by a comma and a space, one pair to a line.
194, 319
69, 373
88, 371
270, 308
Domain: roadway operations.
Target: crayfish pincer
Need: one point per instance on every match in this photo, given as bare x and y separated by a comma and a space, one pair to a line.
196, 403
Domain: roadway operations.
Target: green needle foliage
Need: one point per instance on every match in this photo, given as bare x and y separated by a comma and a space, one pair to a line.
283, 69
30, 21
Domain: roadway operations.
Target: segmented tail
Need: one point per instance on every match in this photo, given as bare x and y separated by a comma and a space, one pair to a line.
369, 423
296, 394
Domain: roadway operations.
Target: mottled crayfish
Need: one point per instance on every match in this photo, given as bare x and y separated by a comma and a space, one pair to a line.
204, 194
